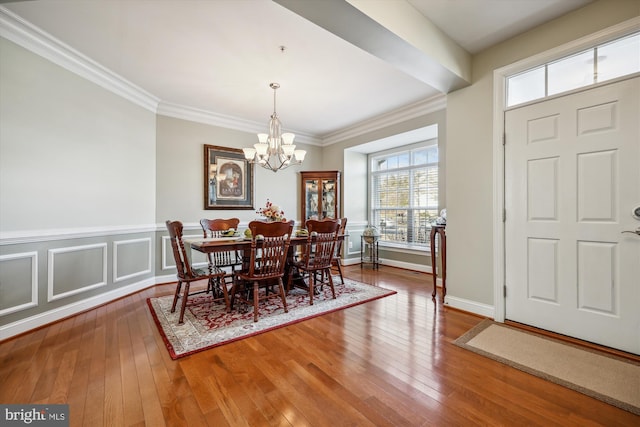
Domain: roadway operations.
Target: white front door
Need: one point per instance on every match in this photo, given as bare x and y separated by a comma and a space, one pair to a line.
572, 181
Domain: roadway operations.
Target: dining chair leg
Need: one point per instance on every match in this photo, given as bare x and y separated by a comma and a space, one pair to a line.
255, 301
176, 296
284, 300
225, 294
234, 289
210, 287
312, 286
339, 271
315, 275
184, 303
290, 280
333, 289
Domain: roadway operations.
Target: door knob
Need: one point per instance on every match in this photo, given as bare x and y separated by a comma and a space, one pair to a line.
636, 212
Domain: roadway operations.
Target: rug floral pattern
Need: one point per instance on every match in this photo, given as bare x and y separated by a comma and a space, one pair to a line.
207, 324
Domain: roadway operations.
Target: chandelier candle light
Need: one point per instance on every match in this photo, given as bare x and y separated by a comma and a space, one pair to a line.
275, 150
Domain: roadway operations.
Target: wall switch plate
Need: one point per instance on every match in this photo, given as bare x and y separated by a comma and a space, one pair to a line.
350, 245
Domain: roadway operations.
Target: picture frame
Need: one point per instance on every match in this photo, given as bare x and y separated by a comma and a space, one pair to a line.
228, 179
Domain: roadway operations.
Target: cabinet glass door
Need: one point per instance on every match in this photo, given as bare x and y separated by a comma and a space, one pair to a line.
311, 197
329, 198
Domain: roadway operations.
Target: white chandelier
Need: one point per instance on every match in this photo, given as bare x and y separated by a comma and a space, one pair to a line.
275, 150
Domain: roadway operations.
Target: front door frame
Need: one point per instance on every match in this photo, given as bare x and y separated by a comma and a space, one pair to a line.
499, 107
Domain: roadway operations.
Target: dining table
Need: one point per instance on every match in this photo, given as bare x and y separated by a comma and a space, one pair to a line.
243, 245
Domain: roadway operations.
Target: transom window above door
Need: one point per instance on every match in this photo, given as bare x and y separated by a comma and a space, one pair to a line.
602, 63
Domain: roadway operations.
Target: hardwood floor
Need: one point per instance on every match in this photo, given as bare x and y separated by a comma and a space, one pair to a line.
390, 362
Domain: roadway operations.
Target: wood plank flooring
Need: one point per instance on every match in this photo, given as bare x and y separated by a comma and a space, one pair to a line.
390, 362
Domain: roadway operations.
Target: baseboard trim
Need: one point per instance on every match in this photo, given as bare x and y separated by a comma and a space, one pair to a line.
470, 306
42, 319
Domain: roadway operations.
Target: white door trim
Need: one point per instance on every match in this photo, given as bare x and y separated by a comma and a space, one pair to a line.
499, 108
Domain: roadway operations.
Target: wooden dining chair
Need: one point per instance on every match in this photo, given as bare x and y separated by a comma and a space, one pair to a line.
337, 256
228, 261
269, 249
315, 260
188, 274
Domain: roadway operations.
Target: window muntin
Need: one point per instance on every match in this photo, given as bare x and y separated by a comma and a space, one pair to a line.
404, 189
618, 58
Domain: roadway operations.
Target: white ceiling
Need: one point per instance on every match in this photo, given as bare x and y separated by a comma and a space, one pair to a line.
478, 24
219, 56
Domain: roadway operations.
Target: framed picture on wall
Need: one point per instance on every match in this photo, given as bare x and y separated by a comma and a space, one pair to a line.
228, 179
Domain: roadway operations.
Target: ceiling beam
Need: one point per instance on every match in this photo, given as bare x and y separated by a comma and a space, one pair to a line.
394, 32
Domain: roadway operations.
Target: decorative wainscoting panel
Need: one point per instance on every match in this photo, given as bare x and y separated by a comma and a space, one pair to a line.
129, 256
354, 239
76, 269
63, 273
18, 282
168, 263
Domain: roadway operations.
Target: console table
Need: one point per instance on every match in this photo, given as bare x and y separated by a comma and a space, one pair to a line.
439, 230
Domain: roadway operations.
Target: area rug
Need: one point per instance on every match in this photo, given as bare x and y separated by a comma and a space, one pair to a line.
207, 324
612, 379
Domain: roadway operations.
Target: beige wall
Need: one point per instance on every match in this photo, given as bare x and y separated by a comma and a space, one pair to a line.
469, 165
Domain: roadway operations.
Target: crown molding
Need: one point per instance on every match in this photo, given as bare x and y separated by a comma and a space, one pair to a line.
30, 37
411, 111
230, 122
418, 109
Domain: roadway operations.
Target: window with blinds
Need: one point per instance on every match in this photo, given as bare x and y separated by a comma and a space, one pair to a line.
404, 194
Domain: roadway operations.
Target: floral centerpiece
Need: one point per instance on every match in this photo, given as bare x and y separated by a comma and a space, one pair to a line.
271, 212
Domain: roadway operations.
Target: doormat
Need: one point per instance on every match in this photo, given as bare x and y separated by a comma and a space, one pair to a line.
606, 377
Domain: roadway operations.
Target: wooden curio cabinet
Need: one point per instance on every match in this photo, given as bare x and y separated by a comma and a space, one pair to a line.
320, 195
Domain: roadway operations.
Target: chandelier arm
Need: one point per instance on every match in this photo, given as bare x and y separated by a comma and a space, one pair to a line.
266, 164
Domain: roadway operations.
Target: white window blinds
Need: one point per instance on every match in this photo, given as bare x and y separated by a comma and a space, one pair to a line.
404, 194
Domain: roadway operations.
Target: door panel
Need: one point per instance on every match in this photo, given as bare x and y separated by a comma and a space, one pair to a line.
572, 178
597, 186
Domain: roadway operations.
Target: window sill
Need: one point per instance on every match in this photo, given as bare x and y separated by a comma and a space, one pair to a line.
394, 247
